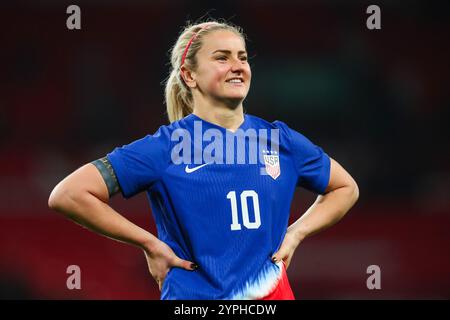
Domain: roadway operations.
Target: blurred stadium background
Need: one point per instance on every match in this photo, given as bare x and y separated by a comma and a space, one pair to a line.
377, 101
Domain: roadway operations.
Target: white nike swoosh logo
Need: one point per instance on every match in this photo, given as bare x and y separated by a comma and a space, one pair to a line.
190, 170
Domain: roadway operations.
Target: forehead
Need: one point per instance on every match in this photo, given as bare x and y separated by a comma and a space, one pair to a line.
222, 39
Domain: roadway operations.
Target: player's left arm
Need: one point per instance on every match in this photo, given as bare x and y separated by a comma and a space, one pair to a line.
340, 195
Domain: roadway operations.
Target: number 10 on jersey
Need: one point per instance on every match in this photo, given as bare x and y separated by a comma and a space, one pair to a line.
245, 195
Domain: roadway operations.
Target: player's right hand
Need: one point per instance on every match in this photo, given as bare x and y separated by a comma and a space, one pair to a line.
161, 258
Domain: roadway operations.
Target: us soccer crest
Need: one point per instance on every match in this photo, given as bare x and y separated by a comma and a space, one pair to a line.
272, 162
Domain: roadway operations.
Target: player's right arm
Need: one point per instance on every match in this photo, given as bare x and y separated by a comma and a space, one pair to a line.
83, 197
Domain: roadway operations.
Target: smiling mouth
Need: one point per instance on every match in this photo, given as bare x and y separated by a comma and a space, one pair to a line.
235, 81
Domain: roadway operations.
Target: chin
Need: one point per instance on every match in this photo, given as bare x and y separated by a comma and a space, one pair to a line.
235, 96
234, 102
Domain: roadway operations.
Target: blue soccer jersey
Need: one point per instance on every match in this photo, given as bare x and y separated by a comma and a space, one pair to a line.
213, 204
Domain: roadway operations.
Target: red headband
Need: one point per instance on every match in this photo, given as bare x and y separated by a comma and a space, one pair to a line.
190, 42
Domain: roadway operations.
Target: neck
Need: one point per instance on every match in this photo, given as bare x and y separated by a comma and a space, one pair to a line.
226, 117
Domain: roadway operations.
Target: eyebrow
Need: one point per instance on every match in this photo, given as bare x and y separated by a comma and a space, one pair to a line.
228, 51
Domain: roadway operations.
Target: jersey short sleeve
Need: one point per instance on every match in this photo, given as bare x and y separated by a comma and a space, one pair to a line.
311, 162
141, 163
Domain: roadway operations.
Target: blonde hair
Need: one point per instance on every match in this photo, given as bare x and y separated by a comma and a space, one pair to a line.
178, 96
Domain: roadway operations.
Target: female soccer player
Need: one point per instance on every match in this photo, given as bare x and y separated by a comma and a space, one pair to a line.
221, 216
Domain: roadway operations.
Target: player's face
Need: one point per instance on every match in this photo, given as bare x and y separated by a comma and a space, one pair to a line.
223, 57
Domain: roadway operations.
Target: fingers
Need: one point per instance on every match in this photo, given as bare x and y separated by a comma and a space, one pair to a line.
277, 257
159, 284
285, 258
188, 265
280, 255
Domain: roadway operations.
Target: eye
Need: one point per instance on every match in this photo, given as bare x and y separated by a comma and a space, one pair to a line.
222, 58
244, 58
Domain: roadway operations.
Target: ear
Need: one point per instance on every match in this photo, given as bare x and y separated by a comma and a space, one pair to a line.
188, 76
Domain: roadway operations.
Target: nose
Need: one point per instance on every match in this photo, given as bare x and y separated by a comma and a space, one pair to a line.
236, 65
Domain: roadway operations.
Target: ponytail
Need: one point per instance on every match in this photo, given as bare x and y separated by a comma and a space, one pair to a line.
179, 102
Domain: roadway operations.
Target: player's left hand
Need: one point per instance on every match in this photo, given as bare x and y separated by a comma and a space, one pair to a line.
287, 249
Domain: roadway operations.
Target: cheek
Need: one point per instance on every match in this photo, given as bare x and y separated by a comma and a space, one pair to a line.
217, 77
249, 71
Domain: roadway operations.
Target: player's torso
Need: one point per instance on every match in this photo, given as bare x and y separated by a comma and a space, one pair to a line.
228, 215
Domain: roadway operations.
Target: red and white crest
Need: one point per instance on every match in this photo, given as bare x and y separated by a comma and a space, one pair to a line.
272, 165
